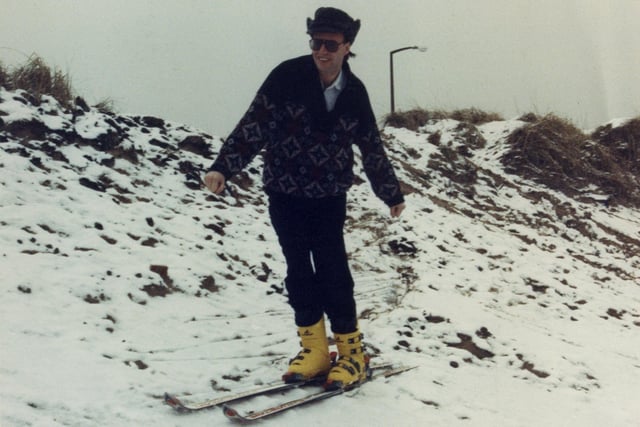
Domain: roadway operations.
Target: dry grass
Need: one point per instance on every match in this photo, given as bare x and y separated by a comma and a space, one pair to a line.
106, 105
623, 141
37, 78
552, 151
4, 75
551, 144
413, 119
416, 118
474, 116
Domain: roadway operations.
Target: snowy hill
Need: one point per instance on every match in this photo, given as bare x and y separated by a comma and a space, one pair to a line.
122, 278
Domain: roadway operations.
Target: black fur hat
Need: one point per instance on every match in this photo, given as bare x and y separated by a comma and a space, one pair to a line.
332, 20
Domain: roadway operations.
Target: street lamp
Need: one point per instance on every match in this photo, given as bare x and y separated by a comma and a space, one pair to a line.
421, 49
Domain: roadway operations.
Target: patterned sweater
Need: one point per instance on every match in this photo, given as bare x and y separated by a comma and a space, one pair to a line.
308, 151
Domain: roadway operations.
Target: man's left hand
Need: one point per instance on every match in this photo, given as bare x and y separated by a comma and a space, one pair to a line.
396, 210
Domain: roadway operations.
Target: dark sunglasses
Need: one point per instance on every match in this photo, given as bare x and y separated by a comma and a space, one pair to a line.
330, 45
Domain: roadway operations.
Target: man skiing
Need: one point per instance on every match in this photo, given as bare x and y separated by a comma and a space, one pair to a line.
307, 116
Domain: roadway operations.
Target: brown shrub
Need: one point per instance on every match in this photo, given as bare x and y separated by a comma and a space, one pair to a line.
550, 145
623, 142
4, 75
106, 105
474, 116
552, 151
37, 78
529, 118
414, 119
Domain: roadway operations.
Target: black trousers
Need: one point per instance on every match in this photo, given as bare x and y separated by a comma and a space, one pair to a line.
310, 232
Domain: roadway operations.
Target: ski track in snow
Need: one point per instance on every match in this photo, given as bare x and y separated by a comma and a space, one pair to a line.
145, 283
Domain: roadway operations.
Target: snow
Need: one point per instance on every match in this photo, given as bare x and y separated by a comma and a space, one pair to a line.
514, 315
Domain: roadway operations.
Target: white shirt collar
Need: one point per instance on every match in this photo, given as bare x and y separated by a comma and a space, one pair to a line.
338, 83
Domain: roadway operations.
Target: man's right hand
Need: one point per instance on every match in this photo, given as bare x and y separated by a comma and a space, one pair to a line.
214, 182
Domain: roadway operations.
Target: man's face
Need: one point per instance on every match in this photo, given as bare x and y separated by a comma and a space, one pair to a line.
330, 63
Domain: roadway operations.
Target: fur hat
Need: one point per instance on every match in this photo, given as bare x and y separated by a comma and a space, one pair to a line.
332, 20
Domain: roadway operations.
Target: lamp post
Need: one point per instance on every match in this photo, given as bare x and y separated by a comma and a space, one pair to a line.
421, 49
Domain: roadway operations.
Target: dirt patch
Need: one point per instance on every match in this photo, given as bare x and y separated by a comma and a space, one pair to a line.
466, 343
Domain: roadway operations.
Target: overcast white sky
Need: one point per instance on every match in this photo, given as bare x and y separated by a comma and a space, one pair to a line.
200, 62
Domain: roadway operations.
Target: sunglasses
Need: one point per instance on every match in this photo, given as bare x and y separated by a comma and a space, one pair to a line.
330, 45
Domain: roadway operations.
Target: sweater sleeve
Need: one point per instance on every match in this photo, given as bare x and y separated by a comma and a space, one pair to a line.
248, 137
378, 168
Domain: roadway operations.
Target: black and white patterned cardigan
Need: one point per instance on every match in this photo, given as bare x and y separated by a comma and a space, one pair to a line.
308, 151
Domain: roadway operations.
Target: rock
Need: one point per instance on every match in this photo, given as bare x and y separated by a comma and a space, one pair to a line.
196, 144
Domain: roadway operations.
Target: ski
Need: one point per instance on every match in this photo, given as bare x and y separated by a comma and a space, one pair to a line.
274, 387
235, 415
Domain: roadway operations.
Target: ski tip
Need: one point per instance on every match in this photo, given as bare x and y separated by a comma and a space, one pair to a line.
170, 399
174, 402
231, 413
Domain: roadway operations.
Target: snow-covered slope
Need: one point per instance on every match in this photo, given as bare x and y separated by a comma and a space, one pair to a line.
122, 279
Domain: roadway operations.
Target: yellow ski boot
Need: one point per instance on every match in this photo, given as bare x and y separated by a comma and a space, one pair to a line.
352, 366
313, 360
